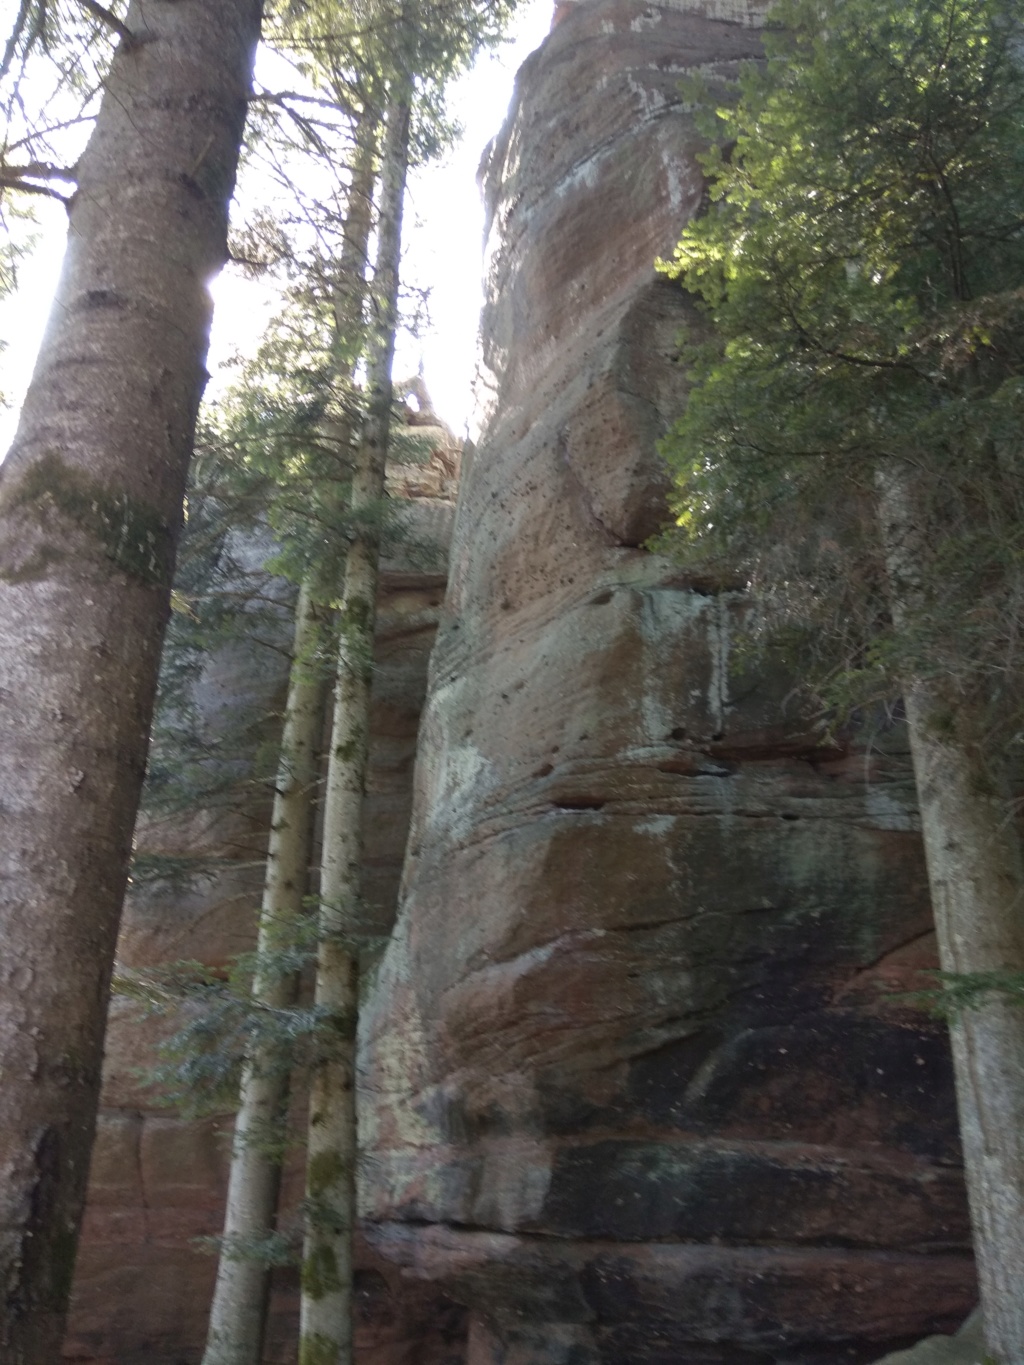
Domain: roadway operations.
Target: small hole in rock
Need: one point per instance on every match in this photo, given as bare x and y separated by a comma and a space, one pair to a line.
677, 733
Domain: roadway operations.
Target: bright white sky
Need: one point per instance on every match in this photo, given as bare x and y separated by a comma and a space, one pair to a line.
443, 251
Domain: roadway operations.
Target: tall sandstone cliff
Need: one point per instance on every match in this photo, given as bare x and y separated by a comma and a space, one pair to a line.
631, 1095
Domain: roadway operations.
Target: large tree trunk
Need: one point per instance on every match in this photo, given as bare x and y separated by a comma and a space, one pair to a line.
326, 1310
238, 1312
90, 506
976, 877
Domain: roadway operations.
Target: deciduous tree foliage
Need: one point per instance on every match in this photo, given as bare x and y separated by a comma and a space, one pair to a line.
854, 443
90, 505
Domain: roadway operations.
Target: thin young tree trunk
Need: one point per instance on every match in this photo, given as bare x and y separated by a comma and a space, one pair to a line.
976, 877
326, 1310
90, 508
238, 1313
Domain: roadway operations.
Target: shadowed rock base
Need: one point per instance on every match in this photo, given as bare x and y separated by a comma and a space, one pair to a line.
967, 1347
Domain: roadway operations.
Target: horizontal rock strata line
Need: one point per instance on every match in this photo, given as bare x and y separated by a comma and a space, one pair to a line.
761, 1296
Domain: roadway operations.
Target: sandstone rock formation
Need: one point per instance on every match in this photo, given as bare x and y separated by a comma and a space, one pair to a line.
630, 1093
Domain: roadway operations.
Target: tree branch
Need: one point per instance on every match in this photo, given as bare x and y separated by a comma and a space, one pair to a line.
8, 181
37, 170
45, 130
14, 39
281, 97
105, 16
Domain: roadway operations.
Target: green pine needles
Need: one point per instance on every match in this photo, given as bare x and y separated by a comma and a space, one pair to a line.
863, 266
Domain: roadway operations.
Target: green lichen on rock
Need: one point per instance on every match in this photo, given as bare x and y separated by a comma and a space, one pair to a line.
127, 531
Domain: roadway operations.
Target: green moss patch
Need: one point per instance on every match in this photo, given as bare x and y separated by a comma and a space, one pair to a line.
320, 1273
127, 531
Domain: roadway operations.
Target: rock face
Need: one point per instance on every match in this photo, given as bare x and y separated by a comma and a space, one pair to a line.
631, 1095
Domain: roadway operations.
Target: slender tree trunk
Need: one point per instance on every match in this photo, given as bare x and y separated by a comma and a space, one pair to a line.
238, 1312
326, 1311
976, 877
90, 507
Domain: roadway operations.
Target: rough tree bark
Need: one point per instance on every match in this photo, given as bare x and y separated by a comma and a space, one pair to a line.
326, 1309
976, 877
238, 1312
90, 505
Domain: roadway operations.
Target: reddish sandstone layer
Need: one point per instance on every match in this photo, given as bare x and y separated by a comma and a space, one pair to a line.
629, 1092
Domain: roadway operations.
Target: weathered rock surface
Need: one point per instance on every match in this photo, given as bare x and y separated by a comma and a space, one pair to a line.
631, 1095
967, 1347
143, 1284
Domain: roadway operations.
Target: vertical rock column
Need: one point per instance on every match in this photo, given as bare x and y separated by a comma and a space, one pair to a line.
629, 1091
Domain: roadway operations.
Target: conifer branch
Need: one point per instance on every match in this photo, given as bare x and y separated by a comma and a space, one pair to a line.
39, 170
105, 16
13, 40
281, 99
11, 180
